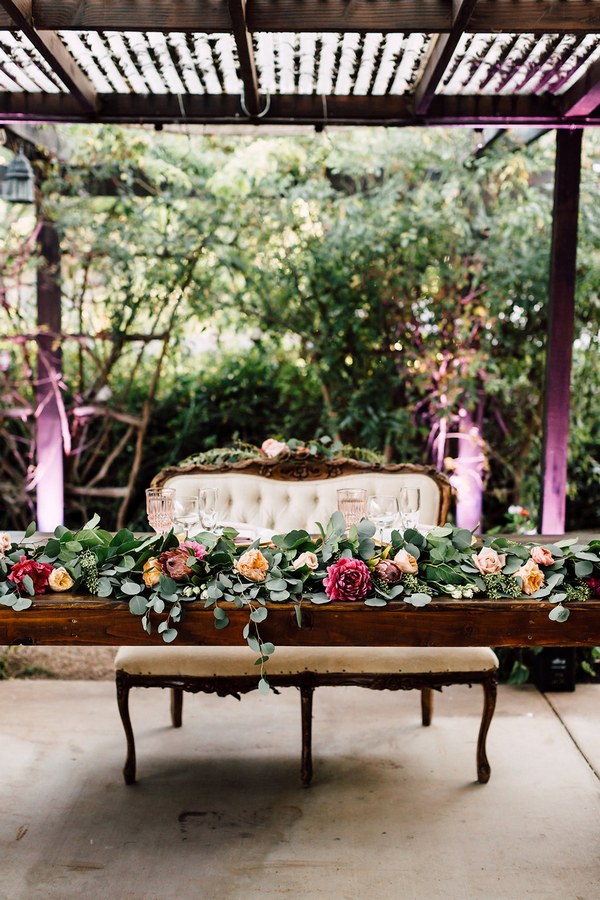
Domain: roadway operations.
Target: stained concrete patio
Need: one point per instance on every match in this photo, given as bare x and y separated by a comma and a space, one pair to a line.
394, 811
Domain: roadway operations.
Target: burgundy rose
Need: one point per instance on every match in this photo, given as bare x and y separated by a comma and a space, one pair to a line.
594, 585
174, 563
38, 572
388, 571
348, 579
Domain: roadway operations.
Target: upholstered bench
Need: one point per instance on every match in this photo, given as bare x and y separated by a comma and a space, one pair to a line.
281, 495
231, 670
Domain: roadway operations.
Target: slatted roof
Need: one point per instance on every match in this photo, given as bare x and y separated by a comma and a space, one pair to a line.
316, 62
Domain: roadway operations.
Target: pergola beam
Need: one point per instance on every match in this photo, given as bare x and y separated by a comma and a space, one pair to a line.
208, 16
584, 97
50, 46
443, 51
292, 109
245, 51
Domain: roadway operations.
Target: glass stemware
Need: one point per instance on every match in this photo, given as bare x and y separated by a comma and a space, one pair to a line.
186, 513
207, 504
410, 503
382, 511
352, 503
160, 507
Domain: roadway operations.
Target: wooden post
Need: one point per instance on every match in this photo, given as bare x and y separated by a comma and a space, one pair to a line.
49, 471
561, 321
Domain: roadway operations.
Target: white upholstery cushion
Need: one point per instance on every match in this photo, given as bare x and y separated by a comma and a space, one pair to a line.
284, 505
226, 661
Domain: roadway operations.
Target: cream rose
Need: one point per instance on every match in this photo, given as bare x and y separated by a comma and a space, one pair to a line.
5, 543
272, 448
252, 565
152, 572
531, 576
405, 562
60, 580
307, 559
488, 561
542, 556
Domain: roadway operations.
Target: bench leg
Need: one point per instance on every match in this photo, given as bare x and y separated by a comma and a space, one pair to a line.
426, 705
306, 701
176, 706
489, 705
123, 688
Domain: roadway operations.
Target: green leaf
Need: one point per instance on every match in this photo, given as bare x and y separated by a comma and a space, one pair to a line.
131, 588
222, 623
28, 585
263, 686
279, 596
22, 603
8, 599
375, 601
276, 584
259, 615
105, 587
167, 585
268, 647
93, 522
319, 598
169, 635
29, 531
219, 613
298, 611
583, 567
418, 599
137, 605
462, 539
559, 613
73, 546
52, 548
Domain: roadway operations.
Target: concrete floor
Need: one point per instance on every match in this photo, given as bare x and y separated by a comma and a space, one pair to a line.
394, 811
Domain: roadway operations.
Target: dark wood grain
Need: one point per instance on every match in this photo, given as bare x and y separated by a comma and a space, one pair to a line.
444, 623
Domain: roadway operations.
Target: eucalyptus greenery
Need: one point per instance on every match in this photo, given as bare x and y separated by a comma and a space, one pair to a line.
294, 569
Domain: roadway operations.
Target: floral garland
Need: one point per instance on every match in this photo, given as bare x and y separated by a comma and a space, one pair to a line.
291, 448
158, 576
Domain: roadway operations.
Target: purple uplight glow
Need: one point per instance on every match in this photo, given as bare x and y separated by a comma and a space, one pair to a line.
467, 475
49, 470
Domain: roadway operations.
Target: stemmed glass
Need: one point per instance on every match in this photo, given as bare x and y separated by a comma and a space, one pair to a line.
382, 511
186, 513
207, 502
410, 502
352, 503
160, 507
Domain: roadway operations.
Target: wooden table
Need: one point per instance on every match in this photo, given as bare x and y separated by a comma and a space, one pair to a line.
81, 620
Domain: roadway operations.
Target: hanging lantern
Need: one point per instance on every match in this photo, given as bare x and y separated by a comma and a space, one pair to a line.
19, 180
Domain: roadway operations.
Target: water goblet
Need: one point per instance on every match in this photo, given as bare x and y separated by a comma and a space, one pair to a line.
382, 510
410, 502
186, 513
352, 503
207, 503
160, 507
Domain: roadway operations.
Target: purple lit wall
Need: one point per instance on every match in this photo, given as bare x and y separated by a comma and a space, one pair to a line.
467, 475
49, 426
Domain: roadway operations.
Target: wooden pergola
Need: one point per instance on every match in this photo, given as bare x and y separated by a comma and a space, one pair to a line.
321, 63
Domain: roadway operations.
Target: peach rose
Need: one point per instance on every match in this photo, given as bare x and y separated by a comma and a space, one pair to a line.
252, 565
532, 577
5, 543
542, 556
272, 448
152, 572
406, 562
488, 561
60, 580
307, 559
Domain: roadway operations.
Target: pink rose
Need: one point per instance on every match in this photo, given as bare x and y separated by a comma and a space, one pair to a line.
542, 556
532, 577
488, 561
389, 571
348, 579
196, 549
272, 448
38, 572
406, 562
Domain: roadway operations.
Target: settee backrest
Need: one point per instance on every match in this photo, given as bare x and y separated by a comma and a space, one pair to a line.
297, 493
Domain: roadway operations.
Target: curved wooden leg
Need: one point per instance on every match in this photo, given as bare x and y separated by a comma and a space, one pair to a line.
426, 705
123, 688
489, 705
176, 706
306, 701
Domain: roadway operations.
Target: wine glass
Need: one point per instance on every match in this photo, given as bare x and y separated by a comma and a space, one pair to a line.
382, 510
410, 503
186, 513
160, 507
352, 503
207, 503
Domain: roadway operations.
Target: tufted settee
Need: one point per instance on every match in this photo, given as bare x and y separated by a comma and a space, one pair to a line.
278, 495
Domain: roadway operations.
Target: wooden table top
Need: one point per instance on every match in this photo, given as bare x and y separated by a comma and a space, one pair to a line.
81, 620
